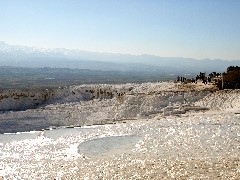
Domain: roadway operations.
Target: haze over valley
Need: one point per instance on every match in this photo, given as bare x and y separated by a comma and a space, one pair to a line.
119, 89
21, 63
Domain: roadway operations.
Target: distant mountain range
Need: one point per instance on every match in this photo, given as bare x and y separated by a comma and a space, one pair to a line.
23, 56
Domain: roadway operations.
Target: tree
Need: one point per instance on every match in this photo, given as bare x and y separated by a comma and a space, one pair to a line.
231, 79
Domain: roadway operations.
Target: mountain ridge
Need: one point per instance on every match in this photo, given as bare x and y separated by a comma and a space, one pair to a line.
24, 56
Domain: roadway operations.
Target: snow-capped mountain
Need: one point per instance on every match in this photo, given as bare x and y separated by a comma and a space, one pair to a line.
24, 50
23, 56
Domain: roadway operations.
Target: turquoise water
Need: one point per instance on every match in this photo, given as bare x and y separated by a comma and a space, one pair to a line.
7, 138
63, 132
52, 134
108, 145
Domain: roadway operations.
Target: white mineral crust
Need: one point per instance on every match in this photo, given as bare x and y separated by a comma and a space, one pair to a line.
153, 131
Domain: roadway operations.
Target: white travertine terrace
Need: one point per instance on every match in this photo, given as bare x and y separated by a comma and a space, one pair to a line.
170, 131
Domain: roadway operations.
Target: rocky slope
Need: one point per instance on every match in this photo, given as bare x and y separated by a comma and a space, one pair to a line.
100, 104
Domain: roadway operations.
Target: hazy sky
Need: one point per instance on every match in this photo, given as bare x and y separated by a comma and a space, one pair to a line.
176, 28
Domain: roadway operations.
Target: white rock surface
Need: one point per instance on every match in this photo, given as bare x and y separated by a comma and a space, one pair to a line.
181, 134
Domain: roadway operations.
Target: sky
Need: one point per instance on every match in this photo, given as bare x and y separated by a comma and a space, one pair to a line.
169, 28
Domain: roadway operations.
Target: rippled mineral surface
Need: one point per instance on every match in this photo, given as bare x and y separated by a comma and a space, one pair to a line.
186, 146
